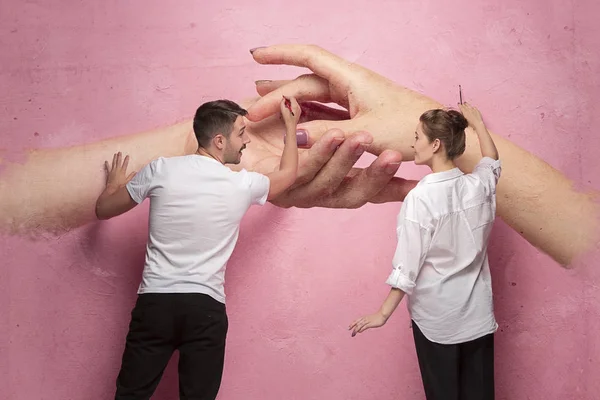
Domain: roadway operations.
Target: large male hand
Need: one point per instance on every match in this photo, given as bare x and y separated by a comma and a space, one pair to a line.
326, 173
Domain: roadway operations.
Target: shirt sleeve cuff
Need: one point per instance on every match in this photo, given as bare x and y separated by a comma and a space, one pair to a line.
132, 193
490, 161
400, 281
267, 184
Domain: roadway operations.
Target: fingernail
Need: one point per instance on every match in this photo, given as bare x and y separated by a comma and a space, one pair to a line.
392, 167
360, 149
301, 137
262, 82
256, 48
336, 143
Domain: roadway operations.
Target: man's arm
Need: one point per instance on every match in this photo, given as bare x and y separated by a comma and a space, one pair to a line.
113, 203
115, 198
55, 190
283, 178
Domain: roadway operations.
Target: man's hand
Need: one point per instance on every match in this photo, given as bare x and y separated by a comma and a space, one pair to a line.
115, 174
115, 199
326, 173
291, 112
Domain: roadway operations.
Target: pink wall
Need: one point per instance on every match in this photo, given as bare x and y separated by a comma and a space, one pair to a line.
73, 72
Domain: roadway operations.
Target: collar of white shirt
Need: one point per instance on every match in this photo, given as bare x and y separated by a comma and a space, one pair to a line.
207, 158
442, 176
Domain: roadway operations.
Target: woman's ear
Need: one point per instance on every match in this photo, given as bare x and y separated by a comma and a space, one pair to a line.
437, 144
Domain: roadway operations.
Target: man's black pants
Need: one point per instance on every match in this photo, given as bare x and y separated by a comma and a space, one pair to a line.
193, 323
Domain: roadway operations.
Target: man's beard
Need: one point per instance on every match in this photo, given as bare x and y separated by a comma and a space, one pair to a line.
236, 158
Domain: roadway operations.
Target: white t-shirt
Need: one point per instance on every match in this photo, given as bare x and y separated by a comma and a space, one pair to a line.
196, 205
441, 259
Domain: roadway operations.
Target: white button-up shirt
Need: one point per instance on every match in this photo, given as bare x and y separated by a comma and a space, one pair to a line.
441, 259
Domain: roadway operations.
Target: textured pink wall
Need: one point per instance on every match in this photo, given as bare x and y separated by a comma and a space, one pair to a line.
73, 72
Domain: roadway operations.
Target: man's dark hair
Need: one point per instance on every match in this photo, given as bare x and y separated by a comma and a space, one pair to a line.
215, 117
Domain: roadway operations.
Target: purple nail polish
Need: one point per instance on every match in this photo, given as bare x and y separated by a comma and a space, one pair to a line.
256, 48
301, 137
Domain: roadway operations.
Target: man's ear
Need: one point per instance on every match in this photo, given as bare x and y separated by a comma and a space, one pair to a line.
219, 141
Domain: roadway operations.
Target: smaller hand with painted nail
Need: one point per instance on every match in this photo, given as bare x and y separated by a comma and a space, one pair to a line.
367, 322
370, 101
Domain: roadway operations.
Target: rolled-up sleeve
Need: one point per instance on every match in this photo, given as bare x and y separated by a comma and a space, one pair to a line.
413, 243
488, 171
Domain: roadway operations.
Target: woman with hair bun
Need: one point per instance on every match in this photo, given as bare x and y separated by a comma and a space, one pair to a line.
441, 261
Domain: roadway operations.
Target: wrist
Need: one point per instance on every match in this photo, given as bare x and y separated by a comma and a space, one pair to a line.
479, 127
112, 188
385, 314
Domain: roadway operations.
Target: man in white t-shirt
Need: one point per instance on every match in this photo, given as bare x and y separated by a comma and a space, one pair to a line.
196, 205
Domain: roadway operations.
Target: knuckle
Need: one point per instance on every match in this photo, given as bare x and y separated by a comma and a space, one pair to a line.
304, 77
326, 191
303, 179
354, 202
